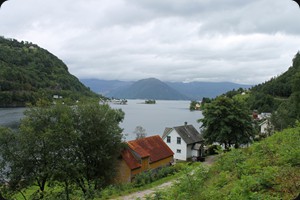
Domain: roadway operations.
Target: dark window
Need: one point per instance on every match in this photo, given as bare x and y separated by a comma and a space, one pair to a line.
178, 140
178, 150
168, 139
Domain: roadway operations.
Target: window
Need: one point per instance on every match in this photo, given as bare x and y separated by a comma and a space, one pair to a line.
168, 139
178, 150
178, 140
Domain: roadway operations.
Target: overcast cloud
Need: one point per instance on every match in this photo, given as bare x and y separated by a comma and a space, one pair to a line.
242, 41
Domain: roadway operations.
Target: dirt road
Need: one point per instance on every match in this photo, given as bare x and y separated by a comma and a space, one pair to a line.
144, 193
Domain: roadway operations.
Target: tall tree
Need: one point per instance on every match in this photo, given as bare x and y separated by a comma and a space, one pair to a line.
227, 122
99, 144
43, 144
66, 144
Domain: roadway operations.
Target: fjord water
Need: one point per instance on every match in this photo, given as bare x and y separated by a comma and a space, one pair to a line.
10, 117
154, 118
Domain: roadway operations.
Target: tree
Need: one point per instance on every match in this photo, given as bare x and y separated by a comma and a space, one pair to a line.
227, 122
99, 144
76, 145
140, 132
289, 111
36, 153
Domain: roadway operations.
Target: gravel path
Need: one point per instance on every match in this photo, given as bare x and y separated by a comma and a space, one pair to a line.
209, 160
144, 193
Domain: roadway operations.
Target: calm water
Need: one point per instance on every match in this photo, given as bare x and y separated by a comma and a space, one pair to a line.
154, 118
10, 117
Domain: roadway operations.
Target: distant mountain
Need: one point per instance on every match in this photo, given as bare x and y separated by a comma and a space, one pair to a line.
28, 73
192, 91
198, 90
150, 88
105, 87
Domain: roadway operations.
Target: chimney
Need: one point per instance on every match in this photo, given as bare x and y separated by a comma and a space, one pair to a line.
185, 123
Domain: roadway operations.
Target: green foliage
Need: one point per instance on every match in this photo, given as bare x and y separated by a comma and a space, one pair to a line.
262, 102
99, 144
28, 72
150, 101
269, 169
213, 149
60, 145
234, 92
165, 173
227, 122
193, 105
153, 175
280, 95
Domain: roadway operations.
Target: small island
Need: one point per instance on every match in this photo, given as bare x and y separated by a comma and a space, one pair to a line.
150, 101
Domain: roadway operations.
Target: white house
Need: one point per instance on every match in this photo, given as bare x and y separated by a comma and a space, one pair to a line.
185, 141
266, 128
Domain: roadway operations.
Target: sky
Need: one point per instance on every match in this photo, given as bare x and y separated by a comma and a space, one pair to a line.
241, 41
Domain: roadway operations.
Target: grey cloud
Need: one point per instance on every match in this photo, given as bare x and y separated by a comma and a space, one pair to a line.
174, 40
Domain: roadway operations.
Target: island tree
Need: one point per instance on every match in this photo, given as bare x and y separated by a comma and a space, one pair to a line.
227, 121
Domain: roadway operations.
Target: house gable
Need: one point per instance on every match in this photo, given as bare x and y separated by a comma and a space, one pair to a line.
130, 160
188, 135
180, 150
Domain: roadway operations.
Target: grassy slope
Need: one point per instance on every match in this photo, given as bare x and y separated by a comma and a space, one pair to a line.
269, 169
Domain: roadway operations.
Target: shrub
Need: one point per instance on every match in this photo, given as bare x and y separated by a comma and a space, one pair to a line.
153, 175
213, 149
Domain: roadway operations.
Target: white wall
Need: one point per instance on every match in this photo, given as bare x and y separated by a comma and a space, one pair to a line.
263, 128
189, 152
174, 146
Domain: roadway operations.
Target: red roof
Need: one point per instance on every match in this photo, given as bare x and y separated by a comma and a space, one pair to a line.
153, 146
130, 160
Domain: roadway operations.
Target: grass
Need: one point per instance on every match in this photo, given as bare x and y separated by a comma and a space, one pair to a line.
123, 190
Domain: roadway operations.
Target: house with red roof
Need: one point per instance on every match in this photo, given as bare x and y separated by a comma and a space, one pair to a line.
141, 155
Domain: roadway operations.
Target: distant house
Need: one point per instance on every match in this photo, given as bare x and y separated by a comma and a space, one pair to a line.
266, 128
141, 155
264, 116
185, 141
57, 96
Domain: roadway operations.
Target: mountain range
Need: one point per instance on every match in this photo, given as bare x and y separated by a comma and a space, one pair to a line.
153, 88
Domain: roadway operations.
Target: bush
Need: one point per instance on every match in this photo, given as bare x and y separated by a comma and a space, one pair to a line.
153, 175
213, 149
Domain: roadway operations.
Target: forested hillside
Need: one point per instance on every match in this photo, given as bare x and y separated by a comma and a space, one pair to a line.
281, 86
280, 95
28, 72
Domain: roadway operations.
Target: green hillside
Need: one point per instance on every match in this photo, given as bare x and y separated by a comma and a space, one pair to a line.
28, 72
269, 170
279, 96
281, 86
